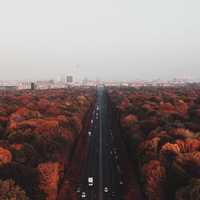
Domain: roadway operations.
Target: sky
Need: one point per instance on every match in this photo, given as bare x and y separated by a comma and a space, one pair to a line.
104, 39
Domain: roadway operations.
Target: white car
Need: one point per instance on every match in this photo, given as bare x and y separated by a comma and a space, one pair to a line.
83, 195
89, 133
97, 107
106, 190
92, 121
90, 181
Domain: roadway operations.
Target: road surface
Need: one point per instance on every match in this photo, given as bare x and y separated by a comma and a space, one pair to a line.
102, 163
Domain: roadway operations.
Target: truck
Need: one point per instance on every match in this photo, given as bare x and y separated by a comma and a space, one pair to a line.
90, 181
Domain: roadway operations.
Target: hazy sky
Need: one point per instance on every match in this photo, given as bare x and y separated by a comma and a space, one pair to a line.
108, 39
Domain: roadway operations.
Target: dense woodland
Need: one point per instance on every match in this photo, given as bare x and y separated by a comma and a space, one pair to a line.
38, 130
161, 128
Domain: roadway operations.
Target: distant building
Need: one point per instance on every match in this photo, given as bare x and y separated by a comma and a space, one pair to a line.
69, 79
33, 86
8, 87
51, 81
85, 81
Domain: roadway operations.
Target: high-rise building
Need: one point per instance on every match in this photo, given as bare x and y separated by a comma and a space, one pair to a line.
69, 79
33, 86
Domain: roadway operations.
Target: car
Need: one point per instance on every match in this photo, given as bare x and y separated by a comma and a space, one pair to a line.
121, 183
113, 194
89, 133
106, 190
97, 107
83, 195
78, 190
90, 181
92, 121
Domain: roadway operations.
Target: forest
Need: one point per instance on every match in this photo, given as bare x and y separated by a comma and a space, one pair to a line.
38, 130
161, 128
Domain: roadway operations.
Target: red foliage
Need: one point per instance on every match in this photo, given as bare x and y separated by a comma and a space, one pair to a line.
67, 192
40, 127
167, 108
181, 133
148, 149
125, 104
49, 178
3, 120
154, 179
16, 146
181, 107
5, 156
129, 120
167, 131
169, 152
23, 114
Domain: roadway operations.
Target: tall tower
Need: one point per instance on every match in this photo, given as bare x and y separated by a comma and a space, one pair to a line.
33, 86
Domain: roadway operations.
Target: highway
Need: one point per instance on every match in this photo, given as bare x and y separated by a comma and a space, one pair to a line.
101, 173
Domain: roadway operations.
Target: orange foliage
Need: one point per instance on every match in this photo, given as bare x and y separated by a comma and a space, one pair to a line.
49, 179
41, 126
168, 152
181, 107
187, 165
23, 114
129, 120
125, 104
182, 133
192, 144
168, 128
5, 156
154, 179
149, 149
167, 108
16, 146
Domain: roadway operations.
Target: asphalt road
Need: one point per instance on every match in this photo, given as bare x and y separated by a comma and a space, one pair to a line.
102, 163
